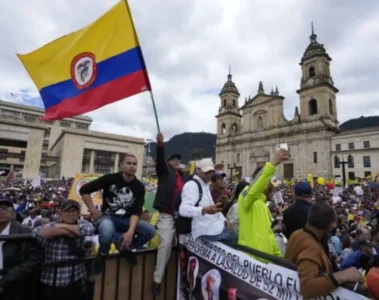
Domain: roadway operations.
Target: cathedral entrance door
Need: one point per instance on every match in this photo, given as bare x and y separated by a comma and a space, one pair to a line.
288, 171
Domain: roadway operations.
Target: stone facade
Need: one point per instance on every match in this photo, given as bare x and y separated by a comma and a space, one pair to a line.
28, 159
71, 145
58, 148
247, 136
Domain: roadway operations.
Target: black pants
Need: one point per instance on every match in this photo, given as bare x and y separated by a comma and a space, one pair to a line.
70, 292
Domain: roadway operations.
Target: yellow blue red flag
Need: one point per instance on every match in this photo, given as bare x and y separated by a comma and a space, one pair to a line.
87, 69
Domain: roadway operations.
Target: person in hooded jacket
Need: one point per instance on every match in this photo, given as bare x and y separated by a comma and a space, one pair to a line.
254, 216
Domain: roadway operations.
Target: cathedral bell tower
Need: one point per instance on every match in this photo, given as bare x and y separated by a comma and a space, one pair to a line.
229, 116
317, 91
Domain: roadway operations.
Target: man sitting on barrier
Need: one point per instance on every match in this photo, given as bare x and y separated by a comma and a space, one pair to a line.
119, 221
305, 249
20, 257
64, 241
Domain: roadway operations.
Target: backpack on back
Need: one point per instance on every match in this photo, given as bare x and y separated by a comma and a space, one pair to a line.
183, 225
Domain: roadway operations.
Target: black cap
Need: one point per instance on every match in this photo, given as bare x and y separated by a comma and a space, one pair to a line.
69, 203
6, 201
217, 176
178, 156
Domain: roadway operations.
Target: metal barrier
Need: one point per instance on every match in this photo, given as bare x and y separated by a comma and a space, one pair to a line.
122, 281
119, 280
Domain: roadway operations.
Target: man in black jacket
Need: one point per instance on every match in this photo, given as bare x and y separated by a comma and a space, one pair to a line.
295, 217
170, 183
20, 258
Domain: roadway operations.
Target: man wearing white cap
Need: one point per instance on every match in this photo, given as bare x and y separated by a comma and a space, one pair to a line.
207, 220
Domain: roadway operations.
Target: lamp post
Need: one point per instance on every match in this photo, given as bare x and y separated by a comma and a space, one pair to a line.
343, 163
148, 150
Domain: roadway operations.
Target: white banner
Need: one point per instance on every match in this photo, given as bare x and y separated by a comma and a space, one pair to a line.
264, 279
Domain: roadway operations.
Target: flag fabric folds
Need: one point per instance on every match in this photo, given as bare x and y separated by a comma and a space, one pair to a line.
10, 177
87, 69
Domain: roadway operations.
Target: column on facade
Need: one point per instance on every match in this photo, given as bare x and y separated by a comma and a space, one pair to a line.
116, 162
92, 162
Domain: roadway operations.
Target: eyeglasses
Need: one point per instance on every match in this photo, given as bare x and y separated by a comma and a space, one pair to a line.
6, 209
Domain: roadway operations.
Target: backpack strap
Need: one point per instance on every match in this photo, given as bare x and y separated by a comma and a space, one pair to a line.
200, 192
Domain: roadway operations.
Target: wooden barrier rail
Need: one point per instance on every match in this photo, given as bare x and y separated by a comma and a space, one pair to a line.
121, 281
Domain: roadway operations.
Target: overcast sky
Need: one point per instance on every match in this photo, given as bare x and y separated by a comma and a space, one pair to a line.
188, 46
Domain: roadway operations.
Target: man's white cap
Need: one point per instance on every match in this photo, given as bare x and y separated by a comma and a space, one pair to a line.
205, 165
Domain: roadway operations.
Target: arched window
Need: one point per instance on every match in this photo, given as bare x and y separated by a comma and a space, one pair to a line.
224, 102
331, 107
238, 158
259, 122
336, 162
350, 161
234, 102
313, 110
223, 128
234, 128
312, 72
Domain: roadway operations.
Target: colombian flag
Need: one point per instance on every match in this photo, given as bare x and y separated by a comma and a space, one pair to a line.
87, 69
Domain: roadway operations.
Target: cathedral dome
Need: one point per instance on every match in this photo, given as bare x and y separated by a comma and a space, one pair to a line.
229, 87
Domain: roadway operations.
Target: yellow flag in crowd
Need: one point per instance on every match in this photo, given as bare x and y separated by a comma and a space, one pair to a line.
192, 165
79, 181
310, 180
147, 178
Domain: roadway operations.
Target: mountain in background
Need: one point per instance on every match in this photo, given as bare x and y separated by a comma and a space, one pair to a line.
190, 146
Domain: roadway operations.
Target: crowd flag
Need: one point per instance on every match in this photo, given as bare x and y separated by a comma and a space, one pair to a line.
10, 177
99, 64
36, 182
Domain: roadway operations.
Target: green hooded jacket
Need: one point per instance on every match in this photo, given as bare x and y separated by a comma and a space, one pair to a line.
254, 215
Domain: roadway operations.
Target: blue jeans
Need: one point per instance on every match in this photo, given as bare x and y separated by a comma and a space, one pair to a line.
111, 228
224, 236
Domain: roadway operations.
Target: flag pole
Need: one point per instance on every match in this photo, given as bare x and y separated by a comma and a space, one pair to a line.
151, 89
155, 109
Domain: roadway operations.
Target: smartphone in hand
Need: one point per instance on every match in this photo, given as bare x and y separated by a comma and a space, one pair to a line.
223, 199
283, 146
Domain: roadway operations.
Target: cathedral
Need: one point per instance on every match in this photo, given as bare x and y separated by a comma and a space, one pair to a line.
248, 135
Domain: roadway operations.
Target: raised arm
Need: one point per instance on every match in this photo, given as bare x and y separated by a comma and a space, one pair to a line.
161, 164
253, 192
262, 180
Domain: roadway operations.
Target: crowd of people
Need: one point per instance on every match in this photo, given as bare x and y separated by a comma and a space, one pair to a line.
332, 238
